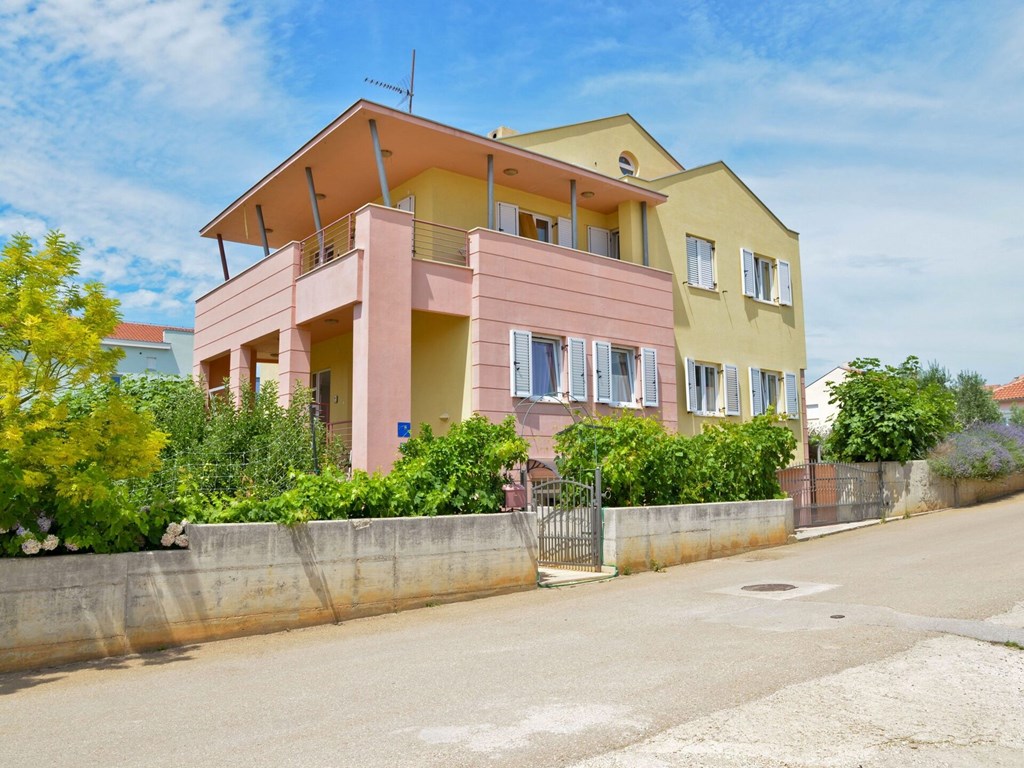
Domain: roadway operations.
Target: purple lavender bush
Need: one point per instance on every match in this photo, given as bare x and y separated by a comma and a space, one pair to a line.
983, 452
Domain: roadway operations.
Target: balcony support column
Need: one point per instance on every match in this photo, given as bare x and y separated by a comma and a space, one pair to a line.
293, 353
381, 172
572, 208
313, 202
490, 191
263, 230
223, 257
643, 232
242, 371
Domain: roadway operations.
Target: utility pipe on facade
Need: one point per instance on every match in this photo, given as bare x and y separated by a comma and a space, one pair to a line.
315, 205
384, 192
263, 230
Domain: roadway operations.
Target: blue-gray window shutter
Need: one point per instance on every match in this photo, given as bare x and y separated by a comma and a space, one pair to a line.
520, 348
792, 397
748, 271
602, 372
577, 369
756, 400
732, 390
649, 376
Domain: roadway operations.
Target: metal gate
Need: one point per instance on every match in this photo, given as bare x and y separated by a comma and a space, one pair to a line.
569, 523
826, 494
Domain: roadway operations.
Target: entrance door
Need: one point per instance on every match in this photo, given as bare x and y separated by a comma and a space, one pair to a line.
321, 385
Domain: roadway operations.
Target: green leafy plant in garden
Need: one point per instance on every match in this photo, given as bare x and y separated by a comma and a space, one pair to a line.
643, 465
1017, 416
887, 413
63, 465
974, 403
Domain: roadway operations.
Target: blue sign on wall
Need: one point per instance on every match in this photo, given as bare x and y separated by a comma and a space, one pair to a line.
405, 429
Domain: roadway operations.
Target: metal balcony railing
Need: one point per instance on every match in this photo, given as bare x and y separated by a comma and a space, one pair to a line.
438, 242
334, 240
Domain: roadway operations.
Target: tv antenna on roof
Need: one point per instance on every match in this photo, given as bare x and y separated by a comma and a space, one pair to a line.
406, 92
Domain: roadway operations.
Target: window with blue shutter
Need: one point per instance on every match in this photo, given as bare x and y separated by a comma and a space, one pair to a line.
792, 396
785, 284
732, 390
520, 350
749, 277
756, 400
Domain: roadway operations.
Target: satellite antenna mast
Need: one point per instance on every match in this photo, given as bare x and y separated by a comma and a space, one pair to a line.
405, 92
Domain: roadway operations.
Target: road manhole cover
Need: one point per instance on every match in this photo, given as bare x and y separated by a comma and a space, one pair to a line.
768, 587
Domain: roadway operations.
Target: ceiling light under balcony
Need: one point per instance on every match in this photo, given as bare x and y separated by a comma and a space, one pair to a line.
510, 171
586, 195
385, 153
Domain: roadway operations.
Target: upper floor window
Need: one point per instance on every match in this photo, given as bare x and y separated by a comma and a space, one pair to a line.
627, 164
700, 270
537, 363
766, 279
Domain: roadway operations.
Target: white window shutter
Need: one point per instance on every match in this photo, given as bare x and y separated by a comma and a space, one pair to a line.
748, 272
705, 252
520, 377
692, 262
407, 203
732, 390
508, 218
599, 241
785, 284
577, 369
565, 232
691, 385
649, 376
792, 397
602, 372
756, 400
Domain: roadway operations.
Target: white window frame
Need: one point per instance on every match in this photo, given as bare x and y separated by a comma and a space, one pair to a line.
697, 400
759, 386
604, 235
700, 263
539, 217
779, 275
604, 356
557, 345
764, 266
522, 342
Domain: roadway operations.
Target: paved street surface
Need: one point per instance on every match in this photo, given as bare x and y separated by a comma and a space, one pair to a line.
680, 668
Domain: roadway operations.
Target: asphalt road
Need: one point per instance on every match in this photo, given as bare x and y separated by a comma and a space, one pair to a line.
657, 669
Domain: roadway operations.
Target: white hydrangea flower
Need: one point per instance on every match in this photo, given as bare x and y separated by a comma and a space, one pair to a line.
166, 540
3, 530
174, 529
30, 546
181, 540
44, 523
50, 543
183, 523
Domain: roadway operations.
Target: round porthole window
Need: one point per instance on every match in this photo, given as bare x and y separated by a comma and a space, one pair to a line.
627, 164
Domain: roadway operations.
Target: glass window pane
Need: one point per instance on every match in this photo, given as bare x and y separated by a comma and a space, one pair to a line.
544, 366
622, 376
710, 389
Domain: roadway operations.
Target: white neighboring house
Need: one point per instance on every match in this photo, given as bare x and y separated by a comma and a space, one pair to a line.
816, 395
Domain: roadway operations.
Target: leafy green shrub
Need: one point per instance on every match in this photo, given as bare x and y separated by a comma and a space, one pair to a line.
643, 465
888, 413
738, 462
984, 452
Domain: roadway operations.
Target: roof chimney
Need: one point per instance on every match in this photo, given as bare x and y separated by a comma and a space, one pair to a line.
501, 132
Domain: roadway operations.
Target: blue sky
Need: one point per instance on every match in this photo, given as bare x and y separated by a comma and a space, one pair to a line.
887, 134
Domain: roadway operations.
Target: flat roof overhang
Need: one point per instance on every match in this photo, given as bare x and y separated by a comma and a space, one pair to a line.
344, 170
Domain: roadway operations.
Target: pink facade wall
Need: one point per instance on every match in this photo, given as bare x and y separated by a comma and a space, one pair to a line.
554, 291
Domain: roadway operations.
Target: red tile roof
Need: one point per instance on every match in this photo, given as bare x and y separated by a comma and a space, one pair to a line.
1012, 391
143, 331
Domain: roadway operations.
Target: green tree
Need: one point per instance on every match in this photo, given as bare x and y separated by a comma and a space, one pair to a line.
60, 465
974, 403
887, 413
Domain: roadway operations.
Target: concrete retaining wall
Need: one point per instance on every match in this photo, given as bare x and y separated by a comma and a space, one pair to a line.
253, 578
636, 537
913, 488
